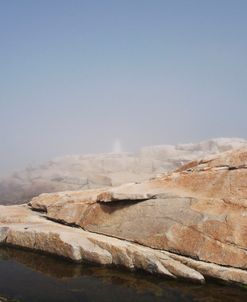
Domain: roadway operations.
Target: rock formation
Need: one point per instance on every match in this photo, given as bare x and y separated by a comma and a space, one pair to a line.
105, 170
190, 223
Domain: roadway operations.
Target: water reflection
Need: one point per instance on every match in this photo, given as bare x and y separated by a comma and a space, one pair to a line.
29, 277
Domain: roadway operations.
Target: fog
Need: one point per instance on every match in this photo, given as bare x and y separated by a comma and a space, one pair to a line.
82, 77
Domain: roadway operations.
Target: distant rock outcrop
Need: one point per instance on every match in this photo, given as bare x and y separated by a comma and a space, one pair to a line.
190, 223
105, 170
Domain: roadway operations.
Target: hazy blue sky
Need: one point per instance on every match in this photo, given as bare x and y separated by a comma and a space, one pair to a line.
76, 75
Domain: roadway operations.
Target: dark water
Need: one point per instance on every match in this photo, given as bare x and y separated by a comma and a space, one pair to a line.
31, 277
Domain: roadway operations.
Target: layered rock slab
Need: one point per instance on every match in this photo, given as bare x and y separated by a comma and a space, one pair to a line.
195, 216
199, 211
33, 231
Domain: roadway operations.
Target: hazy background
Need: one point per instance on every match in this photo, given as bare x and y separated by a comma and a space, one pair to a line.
75, 76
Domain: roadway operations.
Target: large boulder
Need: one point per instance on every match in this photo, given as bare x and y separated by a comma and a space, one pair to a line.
190, 223
32, 231
199, 211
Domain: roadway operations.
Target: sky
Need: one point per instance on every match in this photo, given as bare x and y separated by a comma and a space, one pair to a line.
90, 76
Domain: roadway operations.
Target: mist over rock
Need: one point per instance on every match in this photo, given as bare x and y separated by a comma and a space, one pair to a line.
189, 223
80, 172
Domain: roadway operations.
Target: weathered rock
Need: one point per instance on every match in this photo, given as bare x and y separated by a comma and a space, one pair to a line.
213, 270
80, 172
34, 232
126, 192
3, 234
78, 245
195, 216
199, 212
